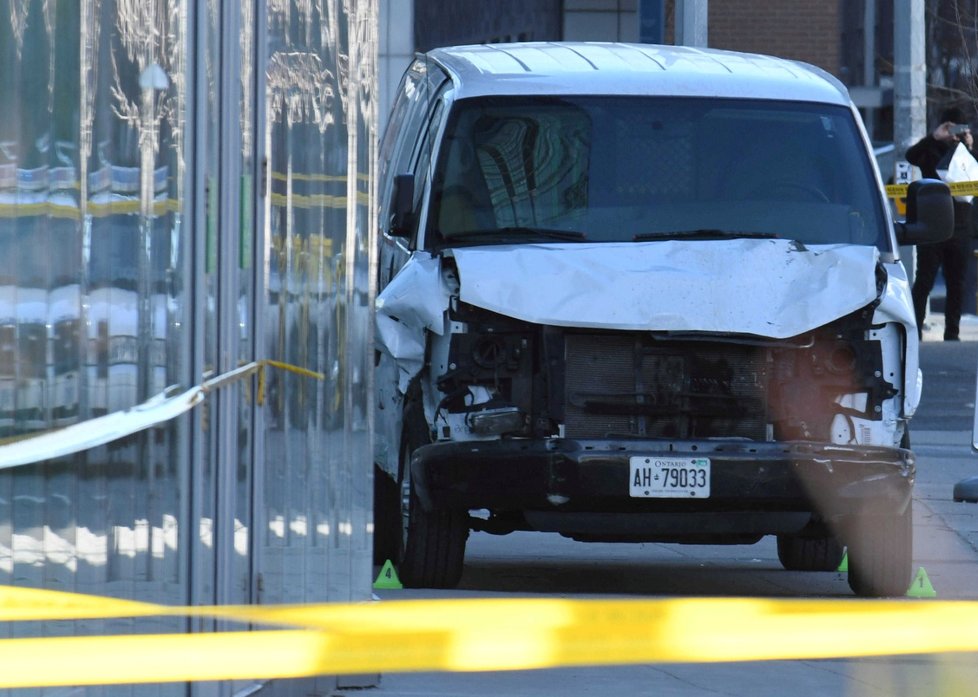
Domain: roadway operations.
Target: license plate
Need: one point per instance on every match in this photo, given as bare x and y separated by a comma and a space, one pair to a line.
669, 477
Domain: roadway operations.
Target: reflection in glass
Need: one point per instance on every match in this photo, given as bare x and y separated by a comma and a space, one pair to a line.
131, 262
319, 136
92, 299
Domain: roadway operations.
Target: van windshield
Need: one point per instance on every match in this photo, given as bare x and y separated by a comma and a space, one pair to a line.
619, 169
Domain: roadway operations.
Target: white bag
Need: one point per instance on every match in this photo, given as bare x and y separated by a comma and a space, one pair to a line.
961, 166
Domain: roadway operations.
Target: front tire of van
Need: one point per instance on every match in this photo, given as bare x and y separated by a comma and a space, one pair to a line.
880, 551
432, 548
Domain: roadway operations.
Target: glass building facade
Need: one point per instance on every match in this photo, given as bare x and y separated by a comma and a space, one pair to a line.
186, 187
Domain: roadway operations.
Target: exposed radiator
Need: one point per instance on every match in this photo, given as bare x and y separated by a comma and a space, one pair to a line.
627, 385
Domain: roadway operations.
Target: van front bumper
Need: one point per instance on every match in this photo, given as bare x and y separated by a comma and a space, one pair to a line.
753, 485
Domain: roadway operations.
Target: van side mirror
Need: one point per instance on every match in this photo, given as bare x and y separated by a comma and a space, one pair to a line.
402, 211
930, 213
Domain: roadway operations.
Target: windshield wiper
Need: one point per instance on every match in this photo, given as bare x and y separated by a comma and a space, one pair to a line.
703, 234
516, 233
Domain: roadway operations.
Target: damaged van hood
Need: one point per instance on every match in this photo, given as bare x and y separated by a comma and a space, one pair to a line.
770, 287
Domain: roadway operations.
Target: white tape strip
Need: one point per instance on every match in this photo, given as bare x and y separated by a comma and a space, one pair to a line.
99, 431
89, 434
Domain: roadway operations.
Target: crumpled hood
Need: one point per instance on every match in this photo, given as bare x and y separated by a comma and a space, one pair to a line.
770, 287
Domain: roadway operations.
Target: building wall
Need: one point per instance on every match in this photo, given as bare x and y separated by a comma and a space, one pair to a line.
600, 20
806, 30
441, 22
407, 26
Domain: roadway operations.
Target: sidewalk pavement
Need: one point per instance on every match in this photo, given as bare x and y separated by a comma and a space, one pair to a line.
934, 327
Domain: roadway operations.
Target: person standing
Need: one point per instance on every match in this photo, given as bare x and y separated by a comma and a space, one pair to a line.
952, 255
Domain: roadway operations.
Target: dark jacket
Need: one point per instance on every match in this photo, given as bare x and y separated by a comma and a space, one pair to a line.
926, 154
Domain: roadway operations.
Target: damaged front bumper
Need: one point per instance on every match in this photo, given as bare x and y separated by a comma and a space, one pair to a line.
581, 487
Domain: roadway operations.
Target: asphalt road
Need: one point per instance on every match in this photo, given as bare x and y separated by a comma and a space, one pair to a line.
945, 543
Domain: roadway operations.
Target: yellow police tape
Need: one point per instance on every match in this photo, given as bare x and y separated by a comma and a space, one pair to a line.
467, 635
957, 189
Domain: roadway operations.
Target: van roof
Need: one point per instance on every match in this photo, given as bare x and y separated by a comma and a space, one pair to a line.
632, 69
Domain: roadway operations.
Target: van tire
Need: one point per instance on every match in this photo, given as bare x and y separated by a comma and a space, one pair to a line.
881, 554
810, 553
432, 543
434, 546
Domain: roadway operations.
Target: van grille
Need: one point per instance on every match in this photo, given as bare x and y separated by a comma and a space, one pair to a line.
627, 385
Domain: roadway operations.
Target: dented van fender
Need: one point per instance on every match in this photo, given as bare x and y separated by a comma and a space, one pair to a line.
896, 305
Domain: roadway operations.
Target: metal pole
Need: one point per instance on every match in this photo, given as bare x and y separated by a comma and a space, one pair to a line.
691, 23
869, 59
869, 43
910, 75
909, 89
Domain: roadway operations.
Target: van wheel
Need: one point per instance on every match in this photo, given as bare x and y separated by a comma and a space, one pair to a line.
810, 553
432, 547
881, 554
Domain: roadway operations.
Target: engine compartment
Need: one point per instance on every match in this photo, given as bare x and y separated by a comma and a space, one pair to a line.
497, 377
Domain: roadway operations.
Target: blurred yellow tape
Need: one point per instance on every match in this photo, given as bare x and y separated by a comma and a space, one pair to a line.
469, 635
957, 189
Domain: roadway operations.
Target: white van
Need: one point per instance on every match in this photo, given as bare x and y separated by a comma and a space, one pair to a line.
642, 293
